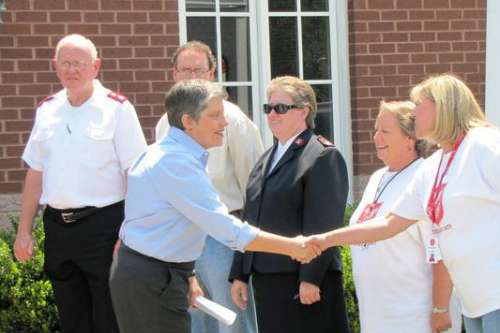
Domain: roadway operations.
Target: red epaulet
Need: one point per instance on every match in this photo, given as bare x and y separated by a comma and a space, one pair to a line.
45, 99
299, 142
325, 142
117, 97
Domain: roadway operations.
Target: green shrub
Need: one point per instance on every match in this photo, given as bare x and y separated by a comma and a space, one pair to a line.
349, 291
27, 301
26, 297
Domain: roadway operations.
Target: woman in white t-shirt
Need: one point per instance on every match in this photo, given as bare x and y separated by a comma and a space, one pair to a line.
457, 190
393, 279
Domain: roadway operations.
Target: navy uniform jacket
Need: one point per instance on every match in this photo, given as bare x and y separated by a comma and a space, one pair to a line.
305, 193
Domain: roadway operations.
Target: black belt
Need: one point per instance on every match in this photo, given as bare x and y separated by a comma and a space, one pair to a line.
187, 265
72, 215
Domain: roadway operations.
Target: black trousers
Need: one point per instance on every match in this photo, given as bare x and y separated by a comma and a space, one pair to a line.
149, 295
279, 310
78, 257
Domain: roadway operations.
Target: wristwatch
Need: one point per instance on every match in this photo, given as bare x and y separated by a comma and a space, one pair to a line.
436, 309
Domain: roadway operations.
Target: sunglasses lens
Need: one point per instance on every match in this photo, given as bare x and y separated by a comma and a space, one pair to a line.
278, 108
281, 108
267, 108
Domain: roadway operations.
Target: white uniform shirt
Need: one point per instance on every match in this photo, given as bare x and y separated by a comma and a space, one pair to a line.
83, 151
230, 164
281, 150
470, 243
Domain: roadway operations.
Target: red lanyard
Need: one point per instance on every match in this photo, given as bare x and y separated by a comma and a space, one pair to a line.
435, 209
371, 209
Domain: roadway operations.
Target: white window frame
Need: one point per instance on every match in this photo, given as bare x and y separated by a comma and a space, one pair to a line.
492, 97
256, 98
261, 72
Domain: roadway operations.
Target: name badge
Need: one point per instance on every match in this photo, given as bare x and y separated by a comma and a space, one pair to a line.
369, 213
436, 229
433, 252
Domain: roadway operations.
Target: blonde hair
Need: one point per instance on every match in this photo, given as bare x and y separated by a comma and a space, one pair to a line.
402, 110
457, 110
300, 91
77, 40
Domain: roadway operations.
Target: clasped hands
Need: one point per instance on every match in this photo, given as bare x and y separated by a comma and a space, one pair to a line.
305, 249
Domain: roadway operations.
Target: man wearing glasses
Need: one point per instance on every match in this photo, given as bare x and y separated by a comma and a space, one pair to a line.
228, 169
84, 139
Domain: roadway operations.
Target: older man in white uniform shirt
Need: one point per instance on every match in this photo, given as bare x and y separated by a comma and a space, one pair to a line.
228, 169
84, 139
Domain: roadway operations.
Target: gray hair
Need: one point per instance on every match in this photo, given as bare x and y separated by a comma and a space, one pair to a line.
189, 97
77, 40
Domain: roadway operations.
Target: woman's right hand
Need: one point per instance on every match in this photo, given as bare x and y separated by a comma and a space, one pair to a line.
239, 294
304, 250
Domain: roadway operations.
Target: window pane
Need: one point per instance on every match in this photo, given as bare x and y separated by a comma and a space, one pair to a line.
314, 5
282, 5
241, 96
324, 115
284, 51
316, 47
200, 5
234, 5
202, 29
236, 60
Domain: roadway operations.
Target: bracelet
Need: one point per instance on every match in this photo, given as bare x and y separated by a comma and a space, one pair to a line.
435, 309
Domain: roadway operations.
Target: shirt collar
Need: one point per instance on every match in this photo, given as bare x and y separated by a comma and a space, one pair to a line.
189, 143
288, 143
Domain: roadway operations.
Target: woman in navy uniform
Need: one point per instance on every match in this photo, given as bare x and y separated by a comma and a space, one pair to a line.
299, 186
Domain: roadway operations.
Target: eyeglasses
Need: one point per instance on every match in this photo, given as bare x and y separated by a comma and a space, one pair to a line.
278, 108
193, 71
77, 64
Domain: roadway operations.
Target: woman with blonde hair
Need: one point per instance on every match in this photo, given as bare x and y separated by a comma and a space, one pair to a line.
457, 190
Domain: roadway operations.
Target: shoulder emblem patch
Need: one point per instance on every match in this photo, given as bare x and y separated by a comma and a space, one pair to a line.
117, 97
299, 142
325, 141
45, 99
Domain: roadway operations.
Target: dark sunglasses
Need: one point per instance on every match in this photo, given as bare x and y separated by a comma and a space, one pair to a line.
278, 108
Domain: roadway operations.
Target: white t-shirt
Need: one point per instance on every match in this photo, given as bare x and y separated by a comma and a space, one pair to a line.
470, 244
83, 151
392, 278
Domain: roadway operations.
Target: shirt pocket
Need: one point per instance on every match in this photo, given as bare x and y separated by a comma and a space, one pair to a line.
98, 146
44, 139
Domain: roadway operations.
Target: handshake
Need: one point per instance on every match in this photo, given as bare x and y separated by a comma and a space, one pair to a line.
305, 249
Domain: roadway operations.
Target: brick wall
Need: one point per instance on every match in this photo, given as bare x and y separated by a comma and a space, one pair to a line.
134, 38
394, 44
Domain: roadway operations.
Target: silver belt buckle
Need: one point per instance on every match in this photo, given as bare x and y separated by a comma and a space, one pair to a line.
68, 217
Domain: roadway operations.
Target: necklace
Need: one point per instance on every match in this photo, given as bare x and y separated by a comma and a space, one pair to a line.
371, 209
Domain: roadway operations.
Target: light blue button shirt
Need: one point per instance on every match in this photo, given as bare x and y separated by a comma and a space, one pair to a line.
171, 204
